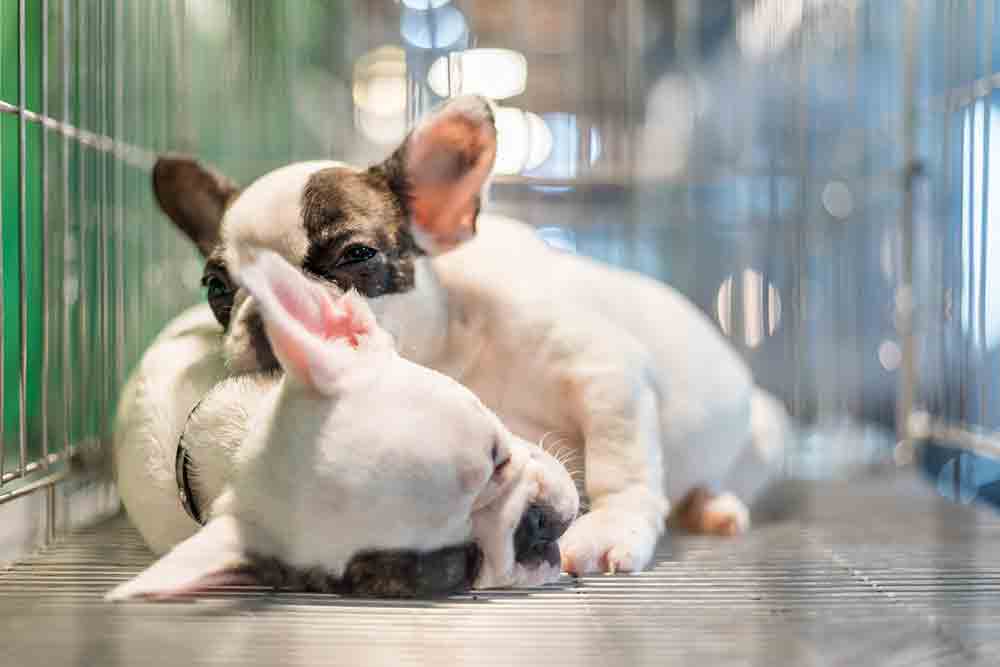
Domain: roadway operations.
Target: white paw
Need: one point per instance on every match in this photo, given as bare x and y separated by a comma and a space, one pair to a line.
608, 540
728, 514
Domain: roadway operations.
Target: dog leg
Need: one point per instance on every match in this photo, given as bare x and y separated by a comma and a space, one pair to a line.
624, 477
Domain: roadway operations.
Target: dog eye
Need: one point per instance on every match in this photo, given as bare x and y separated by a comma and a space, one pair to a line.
220, 296
216, 287
355, 254
495, 454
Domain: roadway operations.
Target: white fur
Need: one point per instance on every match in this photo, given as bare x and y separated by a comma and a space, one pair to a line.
625, 369
628, 371
354, 448
180, 366
251, 217
730, 506
622, 369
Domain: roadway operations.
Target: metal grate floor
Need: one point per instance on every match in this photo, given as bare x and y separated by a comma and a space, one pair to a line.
878, 572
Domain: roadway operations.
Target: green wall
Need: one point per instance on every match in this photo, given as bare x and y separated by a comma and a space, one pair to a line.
219, 79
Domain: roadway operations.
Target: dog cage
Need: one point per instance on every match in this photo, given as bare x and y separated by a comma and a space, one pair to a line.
816, 175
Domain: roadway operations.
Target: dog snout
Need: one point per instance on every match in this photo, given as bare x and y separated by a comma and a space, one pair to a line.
535, 540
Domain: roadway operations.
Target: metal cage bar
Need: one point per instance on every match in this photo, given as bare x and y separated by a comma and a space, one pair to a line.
22, 244
4, 108
108, 142
93, 133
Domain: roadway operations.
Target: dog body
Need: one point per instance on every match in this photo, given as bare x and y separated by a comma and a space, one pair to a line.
613, 365
180, 366
313, 485
620, 367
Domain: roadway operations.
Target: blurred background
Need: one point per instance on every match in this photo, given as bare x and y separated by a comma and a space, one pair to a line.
814, 174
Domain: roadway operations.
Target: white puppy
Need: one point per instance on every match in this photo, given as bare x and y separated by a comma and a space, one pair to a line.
619, 368
365, 473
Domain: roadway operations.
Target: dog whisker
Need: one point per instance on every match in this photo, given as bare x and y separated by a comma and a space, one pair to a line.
556, 448
542, 442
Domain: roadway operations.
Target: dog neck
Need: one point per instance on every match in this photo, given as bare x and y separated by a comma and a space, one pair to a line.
418, 318
431, 324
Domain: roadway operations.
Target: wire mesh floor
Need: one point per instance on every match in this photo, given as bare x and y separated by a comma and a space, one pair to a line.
879, 572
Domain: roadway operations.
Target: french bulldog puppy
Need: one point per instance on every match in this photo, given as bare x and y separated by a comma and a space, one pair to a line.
178, 369
614, 366
356, 459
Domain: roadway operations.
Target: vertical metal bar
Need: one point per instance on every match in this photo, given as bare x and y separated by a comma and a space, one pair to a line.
142, 266
968, 74
985, 220
160, 24
911, 170
50, 491
3, 361
44, 249
954, 70
942, 214
146, 78
50, 513
168, 254
138, 308
120, 197
801, 229
82, 302
68, 389
100, 267
22, 246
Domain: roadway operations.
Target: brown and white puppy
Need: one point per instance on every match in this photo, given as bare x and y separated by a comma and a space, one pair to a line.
622, 369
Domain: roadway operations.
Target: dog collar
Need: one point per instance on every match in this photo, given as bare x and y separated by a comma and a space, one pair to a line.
182, 473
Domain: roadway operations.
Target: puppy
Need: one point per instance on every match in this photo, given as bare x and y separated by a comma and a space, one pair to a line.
614, 366
355, 451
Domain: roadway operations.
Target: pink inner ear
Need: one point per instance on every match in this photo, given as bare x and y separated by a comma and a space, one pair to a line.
342, 320
449, 163
305, 303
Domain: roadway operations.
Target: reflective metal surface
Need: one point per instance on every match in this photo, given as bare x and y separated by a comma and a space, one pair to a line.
876, 572
760, 155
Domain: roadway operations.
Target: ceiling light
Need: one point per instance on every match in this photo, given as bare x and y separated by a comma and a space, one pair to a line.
424, 4
493, 73
524, 141
437, 28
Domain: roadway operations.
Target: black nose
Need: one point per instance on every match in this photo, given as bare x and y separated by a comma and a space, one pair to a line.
536, 535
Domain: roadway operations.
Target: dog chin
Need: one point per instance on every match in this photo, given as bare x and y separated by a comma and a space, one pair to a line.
536, 575
521, 576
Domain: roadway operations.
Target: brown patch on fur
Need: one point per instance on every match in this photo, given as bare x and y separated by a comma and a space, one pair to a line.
261, 345
449, 150
381, 573
446, 168
194, 197
342, 207
691, 515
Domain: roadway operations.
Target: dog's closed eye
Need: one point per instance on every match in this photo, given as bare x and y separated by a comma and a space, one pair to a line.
500, 458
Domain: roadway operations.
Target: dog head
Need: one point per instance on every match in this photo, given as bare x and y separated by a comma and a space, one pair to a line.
365, 473
360, 229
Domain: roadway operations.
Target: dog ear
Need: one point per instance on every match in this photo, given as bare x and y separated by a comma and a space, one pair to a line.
214, 556
441, 170
193, 196
300, 316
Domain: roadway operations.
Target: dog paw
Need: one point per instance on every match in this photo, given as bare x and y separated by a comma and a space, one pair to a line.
704, 513
726, 515
608, 540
